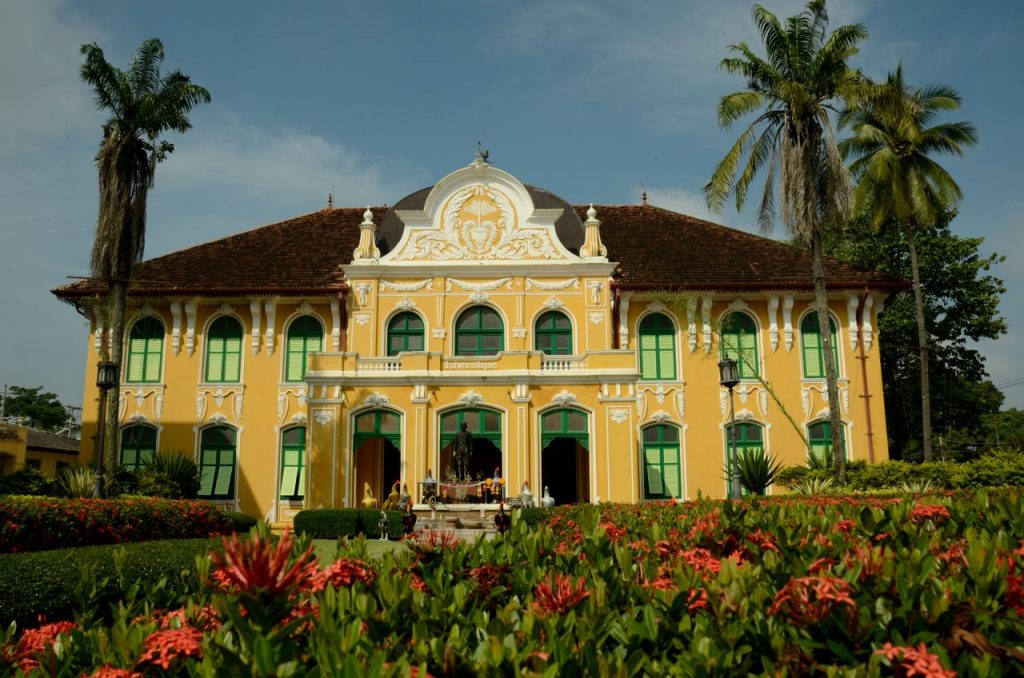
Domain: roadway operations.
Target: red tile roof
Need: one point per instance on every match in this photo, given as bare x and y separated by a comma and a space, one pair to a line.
655, 248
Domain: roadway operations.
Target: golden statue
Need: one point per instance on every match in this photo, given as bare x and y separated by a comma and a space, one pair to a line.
392, 501
369, 501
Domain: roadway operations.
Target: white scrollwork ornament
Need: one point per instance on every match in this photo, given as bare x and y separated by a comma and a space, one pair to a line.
564, 398
619, 414
471, 398
553, 303
552, 285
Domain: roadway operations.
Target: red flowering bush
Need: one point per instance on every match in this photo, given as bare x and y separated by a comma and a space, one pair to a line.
36, 644
260, 566
560, 595
935, 513
344, 572
806, 601
162, 648
914, 661
41, 523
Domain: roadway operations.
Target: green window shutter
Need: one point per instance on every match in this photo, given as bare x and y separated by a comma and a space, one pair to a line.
232, 359
812, 353
670, 472
296, 359
748, 354
225, 473
649, 356
129, 458
300, 486
206, 481
154, 353
136, 359
655, 484
666, 357
215, 359
289, 477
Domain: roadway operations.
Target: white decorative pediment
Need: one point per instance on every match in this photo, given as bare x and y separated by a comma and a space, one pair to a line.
225, 309
744, 415
660, 417
305, 308
479, 213
406, 304
377, 400
479, 297
471, 398
656, 306
218, 419
553, 303
564, 398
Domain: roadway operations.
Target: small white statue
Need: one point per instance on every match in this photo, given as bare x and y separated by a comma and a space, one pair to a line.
526, 496
547, 501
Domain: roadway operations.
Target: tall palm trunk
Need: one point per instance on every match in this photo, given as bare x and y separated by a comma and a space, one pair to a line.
119, 290
922, 343
831, 374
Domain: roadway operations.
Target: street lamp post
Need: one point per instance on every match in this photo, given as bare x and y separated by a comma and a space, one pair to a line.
728, 377
106, 379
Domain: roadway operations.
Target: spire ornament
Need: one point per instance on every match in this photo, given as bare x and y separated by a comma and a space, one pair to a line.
593, 248
367, 250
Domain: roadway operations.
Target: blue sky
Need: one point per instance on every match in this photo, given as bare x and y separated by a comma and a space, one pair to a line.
595, 101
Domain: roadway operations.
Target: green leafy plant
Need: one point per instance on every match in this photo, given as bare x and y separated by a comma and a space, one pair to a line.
813, 485
172, 475
77, 482
28, 481
756, 469
917, 486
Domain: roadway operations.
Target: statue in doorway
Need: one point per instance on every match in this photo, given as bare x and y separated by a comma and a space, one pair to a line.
463, 452
547, 501
369, 501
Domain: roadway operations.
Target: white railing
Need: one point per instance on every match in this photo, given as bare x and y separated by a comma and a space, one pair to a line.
391, 364
563, 363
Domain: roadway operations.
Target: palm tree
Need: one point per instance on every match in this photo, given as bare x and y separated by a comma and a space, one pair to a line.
898, 181
794, 89
143, 105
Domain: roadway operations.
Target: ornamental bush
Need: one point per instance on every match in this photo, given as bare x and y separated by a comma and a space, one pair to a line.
37, 523
780, 586
48, 584
334, 523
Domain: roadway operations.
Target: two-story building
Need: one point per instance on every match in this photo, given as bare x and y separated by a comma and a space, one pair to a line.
304, 360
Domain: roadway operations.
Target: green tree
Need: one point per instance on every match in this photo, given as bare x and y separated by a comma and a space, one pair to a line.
792, 90
42, 409
961, 304
143, 105
893, 140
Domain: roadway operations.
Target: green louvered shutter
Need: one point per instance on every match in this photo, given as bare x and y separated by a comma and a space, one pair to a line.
666, 357
154, 353
748, 354
296, 358
649, 356
225, 473
655, 484
207, 473
812, 351
136, 358
129, 458
232, 359
291, 463
215, 359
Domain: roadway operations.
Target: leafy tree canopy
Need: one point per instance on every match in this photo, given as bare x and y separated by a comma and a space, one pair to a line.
961, 299
41, 409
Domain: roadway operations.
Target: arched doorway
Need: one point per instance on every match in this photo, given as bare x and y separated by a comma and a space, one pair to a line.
377, 456
485, 425
565, 455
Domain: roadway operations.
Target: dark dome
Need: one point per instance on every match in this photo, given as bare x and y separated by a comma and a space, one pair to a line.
568, 227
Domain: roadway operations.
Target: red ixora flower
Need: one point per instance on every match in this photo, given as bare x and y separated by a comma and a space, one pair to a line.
934, 512
344, 572
560, 596
806, 601
915, 661
108, 671
38, 641
763, 539
259, 564
613, 532
163, 647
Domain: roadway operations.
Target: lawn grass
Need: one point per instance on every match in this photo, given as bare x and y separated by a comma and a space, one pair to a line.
326, 549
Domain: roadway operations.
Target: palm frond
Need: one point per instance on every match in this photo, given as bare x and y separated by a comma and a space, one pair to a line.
717, 190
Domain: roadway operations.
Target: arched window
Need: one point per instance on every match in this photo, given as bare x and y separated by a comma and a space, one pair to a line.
813, 350
138, 445
224, 350
405, 333
565, 423
741, 437
819, 437
739, 342
657, 347
662, 476
479, 331
552, 334
293, 463
217, 463
305, 336
145, 351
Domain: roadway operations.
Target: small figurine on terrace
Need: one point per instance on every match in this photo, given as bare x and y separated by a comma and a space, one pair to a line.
502, 521
409, 521
383, 525
369, 501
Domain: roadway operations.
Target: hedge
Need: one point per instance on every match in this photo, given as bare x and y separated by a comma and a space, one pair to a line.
46, 583
334, 523
241, 522
41, 523
1000, 468
533, 517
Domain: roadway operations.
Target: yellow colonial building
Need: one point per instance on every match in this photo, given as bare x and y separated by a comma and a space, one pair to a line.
303, 360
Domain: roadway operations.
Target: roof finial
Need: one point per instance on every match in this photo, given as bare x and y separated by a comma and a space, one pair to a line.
330, 201
481, 155
644, 197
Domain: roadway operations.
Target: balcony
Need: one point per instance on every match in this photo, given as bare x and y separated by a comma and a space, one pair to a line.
513, 367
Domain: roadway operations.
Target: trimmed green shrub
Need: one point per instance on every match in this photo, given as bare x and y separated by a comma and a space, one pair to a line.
40, 523
28, 482
334, 523
47, 582
241, 522
534, 517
